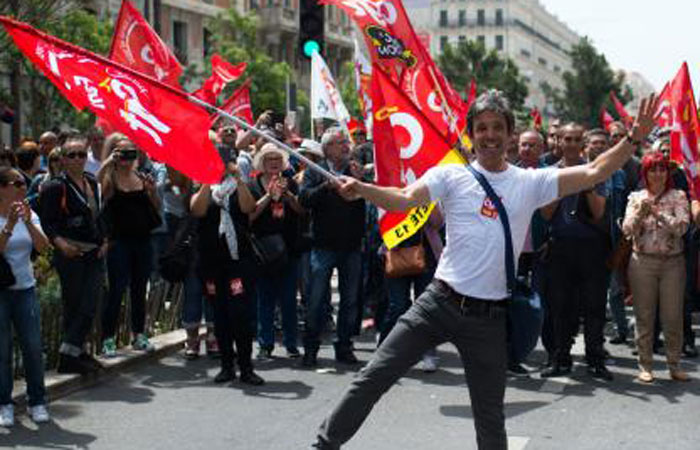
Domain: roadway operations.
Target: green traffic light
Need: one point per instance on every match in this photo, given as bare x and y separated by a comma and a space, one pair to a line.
310, 47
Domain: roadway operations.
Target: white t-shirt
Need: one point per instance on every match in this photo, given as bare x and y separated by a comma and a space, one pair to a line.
18, 251
473, 261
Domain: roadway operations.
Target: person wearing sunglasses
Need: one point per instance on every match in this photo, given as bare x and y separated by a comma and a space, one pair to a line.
69, 206
131, 212
20, 233
55, 167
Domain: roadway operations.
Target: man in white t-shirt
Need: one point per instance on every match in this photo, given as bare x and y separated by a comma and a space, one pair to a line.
466, 303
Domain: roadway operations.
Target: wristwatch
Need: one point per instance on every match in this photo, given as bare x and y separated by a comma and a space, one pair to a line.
632, 141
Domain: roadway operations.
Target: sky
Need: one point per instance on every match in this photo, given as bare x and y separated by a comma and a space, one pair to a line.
651, 37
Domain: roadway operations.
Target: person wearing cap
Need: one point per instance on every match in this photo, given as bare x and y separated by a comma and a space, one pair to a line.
229, 151
277, 211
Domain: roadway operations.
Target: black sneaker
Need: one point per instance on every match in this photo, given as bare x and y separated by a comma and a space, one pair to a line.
252, 378
293, 352
309, 359
620, 339
689, 351
346, 357
517, 370
225, 375
600, 371
555, 370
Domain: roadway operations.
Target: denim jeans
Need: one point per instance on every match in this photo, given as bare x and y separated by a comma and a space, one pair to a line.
80, 288
19, 309
400, 299
349, 267
434, 318
616, 301
195, 305
128, 264
282, 288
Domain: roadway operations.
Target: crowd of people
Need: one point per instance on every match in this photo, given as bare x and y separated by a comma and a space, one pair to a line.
260, 247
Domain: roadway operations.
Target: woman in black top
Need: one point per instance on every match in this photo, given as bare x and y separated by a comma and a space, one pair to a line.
131, 211
69, 205
227, 269
277, 212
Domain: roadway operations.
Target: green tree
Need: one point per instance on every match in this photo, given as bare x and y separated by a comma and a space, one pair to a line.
29, 89
235, 38
587, 86
470, 60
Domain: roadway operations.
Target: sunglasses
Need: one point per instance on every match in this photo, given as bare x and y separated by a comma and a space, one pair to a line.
73, 155
127, 155
19, 184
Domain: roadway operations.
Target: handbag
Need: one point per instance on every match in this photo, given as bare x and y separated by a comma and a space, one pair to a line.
176, 260
269, 251
405, 261
525, 314
7, 278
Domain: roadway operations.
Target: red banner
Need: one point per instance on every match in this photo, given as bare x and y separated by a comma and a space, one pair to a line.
621, 111
605, 119
157, 118
238, 104
406, 146
136, 45
684, 126
222, 73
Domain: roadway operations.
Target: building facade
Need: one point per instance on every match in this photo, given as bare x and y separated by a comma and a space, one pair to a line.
522, 30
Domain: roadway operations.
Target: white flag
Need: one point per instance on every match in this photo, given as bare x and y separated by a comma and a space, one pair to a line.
325, 97
363, 72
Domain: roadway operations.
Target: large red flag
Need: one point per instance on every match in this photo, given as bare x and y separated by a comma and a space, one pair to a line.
136, 45
238, 104
222, 73
406, 146
684, 127
160, 120
394, 46
605, 119
621, 111
663, 113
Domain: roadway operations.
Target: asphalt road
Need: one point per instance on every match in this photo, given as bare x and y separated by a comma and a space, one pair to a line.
173, 404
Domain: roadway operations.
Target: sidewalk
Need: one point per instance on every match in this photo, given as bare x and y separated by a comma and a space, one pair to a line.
60, 385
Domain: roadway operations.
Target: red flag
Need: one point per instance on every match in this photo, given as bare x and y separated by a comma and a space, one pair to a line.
238, 104
222, 73
536, 118
471, 97
684, 127
136, 45
406, 146
605, 119
160, 120
395, 47
663, 114
621, 111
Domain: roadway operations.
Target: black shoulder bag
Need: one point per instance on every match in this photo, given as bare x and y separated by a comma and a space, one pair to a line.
524, 309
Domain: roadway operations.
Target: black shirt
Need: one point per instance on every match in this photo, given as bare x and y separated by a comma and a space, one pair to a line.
266, 223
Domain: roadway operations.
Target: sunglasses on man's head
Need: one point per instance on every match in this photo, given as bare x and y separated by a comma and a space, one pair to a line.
73, 155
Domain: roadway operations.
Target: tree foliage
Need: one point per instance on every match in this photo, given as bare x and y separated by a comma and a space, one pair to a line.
587, 87
66, 20
470, 60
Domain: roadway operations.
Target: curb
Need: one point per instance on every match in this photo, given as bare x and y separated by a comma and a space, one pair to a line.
61, 385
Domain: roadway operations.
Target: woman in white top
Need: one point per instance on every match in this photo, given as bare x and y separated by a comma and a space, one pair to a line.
20, 232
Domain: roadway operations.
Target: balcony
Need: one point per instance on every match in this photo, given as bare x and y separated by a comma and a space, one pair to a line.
277, 16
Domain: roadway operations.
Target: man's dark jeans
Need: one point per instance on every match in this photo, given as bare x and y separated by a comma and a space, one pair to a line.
349, 266
80, 286
478, 332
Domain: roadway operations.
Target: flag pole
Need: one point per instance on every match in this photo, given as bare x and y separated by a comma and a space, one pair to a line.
243, 124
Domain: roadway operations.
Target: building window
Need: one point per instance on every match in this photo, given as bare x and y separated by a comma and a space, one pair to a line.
542, 61
525, 53
180, 40
443, 43
481, 17
254, 5
481, 40
557, 69
443, 18
462, 17
287, 3
206, 42
499, 17
499, 42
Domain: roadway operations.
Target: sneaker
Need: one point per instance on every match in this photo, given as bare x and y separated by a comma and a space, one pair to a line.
645, 376
7, 415
309, 359
38, 413
142, 344
689, 351
264, 354
192, 348
619, 339
346, 357
252, 378
225, 375
429, 364
212, 346
293, 352
109, 348
600, 371
517, 370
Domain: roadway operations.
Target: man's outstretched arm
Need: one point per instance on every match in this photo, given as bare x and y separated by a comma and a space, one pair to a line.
578, 178
388, 198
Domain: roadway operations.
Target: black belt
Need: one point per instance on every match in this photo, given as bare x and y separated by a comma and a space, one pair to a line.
468, 305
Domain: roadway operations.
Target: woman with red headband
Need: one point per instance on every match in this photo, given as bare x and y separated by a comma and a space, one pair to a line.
656, 219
